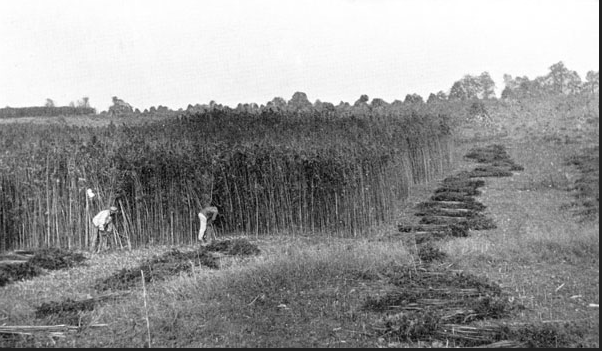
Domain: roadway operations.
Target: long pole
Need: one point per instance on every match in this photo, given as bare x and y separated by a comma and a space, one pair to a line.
87, 224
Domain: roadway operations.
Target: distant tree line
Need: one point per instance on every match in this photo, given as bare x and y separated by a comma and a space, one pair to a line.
43, 111
299, 104
49, 110
472, 89
559, 81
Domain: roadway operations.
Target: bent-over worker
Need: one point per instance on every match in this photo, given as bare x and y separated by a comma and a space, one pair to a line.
206, 212
103, 221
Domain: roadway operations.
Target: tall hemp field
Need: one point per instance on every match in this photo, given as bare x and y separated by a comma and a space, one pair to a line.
272, 171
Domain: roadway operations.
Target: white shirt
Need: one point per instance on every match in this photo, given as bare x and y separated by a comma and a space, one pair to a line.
203, 220
102, 219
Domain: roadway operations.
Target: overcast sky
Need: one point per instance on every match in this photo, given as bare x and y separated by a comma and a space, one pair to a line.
179, 52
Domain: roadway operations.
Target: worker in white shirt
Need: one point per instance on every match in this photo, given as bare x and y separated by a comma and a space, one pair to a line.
104, 223
206, 216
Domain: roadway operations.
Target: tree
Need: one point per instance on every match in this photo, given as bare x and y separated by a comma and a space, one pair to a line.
361, 107
378, 102
318, 105
466, 88
277, 104
344, 108
508, 93
49, 103
478, 111
561, 80
523, 87
362, 101
300, 102
431, 99
324, 107
511, 87
487, 86
440, 96
509, 82
473, 87
328, 107
592, 82
413, 99
458, 91
120, 107
397, 103
84, 102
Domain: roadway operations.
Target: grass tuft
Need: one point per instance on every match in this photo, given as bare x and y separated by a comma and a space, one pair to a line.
429, 253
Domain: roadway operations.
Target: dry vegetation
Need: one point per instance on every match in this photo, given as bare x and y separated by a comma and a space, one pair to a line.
529, 278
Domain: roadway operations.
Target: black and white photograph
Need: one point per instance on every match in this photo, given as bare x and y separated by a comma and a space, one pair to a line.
299, 174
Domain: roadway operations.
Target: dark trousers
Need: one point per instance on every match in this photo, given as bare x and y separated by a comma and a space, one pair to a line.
103, 238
